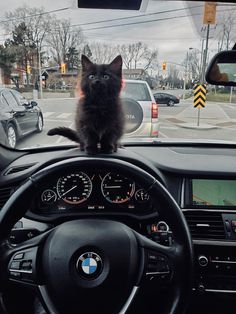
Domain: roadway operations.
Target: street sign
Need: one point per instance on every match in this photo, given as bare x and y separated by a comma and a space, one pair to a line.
209, 13
199, 96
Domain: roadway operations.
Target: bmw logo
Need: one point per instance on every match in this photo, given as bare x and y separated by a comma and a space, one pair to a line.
89, 265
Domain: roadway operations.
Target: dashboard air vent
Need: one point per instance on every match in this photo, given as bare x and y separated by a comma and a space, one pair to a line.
5, 193
16, 169
205, 225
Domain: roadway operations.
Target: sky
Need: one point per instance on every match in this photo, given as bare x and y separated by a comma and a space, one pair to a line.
172, 33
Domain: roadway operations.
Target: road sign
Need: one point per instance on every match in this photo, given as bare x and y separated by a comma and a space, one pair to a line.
199, 96
209, 13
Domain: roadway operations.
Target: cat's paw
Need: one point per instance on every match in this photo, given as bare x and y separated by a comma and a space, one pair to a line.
91, 150
107, 149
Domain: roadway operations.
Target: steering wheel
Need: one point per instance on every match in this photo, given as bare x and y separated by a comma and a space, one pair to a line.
94, 265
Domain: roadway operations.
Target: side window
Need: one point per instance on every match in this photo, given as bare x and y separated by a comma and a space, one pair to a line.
10, 100
3, 103
21, 99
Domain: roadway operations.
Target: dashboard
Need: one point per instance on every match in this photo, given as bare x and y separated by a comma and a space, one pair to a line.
201, 179
92, 191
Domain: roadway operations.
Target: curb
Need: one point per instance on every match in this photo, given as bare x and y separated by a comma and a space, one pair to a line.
200, 127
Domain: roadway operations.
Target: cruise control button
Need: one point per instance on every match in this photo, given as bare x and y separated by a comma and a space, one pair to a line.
15, 274
15, 265
26, 265
18, 256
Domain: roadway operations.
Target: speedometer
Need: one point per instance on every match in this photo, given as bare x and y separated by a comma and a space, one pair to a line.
74, 188
117, 188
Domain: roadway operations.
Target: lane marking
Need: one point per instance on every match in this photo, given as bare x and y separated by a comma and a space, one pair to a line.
59, 140
64, 115
163, 135
57, 120
168, 127
48, 113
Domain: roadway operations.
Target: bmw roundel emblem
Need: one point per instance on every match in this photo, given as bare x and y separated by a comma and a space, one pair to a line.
89, 265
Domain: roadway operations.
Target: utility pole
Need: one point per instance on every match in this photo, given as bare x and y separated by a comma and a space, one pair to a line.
40, 75
205, 55
185, 77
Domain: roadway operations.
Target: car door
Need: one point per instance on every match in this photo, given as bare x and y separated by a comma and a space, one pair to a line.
165, 98
159, 98
18, 113
31, 112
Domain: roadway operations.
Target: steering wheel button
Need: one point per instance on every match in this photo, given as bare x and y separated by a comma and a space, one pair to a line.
15, 265
15, 274
26, 265
18, 256
152, 257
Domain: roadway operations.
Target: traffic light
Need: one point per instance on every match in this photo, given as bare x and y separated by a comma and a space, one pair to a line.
63, 68
28, 69
164, 66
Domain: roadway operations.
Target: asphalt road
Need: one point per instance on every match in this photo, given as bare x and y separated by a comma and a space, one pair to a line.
217, 121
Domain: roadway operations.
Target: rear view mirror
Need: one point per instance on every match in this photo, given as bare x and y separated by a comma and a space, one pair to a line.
222, 69
111, 4
33, 103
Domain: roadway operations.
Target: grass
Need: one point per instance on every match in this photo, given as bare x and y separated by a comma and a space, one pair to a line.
221, 97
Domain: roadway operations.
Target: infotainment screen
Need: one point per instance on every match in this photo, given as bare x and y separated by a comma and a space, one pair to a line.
213, 192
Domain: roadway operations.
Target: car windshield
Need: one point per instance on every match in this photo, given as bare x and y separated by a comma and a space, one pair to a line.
165, 46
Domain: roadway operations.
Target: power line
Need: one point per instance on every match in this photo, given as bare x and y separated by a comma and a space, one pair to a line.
150, 21
36, 14
132, 17
135, 23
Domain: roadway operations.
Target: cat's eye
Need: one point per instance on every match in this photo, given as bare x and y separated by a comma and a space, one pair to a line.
106, 77
91, 76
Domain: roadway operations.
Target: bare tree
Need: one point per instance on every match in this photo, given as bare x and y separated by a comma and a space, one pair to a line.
127, 54
62, 38
194, 64
150, 60
35, 19
102, 52
138, 55
226, 35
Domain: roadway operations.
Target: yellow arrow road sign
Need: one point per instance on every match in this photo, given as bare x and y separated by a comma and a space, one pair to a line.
199, 96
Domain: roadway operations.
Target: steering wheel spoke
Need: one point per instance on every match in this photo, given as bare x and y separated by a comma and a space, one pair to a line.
22, 261
160, 260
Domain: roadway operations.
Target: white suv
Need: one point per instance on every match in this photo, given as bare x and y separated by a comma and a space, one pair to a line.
140, 108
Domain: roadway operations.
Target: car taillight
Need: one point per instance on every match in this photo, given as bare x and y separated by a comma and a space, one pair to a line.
154, 111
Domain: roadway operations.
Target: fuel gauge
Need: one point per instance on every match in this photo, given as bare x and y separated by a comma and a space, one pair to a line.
48, 196
141, 196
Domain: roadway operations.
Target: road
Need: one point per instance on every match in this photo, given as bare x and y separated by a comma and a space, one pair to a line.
217, 121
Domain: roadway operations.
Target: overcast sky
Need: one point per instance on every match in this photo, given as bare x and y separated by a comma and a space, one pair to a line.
172, 37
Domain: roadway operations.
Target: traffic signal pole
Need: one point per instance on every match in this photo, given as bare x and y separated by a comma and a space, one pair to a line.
40, 76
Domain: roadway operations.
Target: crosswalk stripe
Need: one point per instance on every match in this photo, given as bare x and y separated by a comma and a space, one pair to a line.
64, 115
48, 113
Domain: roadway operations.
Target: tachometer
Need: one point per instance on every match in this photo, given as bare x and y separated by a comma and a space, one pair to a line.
117, 188
74, 188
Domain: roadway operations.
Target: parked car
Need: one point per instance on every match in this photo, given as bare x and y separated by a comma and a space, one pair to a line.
164, 98
140, 108
18, 116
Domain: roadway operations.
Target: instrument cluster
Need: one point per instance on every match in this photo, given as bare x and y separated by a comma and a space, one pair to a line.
92, 191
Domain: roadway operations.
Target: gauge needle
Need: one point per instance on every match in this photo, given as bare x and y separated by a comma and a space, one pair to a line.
113, 187
75, 186
50, 197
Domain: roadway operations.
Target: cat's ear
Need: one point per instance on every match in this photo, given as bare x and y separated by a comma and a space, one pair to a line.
85, 62
116, 65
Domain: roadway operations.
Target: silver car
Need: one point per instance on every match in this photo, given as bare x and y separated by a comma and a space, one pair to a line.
140, 108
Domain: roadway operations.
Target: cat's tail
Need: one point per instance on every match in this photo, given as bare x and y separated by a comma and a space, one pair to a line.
66, 132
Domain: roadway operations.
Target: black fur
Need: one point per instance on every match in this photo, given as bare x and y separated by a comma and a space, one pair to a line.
99, 116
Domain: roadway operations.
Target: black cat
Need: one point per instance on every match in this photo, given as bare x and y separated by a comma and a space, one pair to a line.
99, 116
